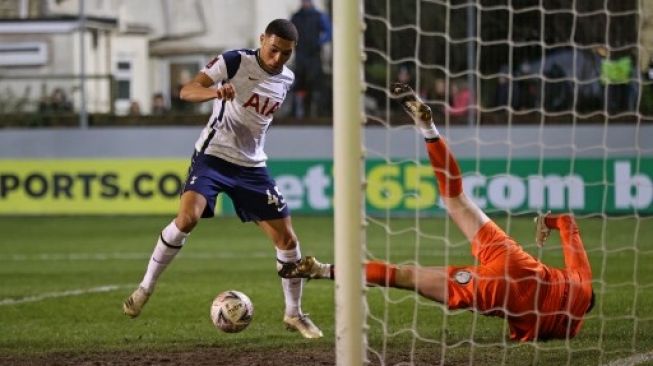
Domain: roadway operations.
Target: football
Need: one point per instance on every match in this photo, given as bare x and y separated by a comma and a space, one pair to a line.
231, 311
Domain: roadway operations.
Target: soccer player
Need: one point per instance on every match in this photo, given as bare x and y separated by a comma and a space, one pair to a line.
247, 87
540, 302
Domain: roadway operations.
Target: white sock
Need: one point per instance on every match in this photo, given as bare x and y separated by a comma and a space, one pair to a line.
292, 294
170, 242
429, 132
292, 287
289, 255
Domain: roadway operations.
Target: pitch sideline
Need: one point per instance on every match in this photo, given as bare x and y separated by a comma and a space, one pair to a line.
122, 256
54, 295
632, 360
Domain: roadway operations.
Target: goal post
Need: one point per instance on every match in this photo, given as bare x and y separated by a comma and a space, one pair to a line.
348, 191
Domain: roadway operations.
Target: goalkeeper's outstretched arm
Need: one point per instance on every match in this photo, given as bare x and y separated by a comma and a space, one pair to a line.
577, 264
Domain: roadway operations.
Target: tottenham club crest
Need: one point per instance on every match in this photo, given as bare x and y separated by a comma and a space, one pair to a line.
463, 277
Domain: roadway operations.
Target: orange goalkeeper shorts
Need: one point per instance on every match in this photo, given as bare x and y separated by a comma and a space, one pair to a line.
502, 280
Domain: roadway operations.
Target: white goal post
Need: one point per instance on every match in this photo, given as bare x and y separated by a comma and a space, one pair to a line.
348, 194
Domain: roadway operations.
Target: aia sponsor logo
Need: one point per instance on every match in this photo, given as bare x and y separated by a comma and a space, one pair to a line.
262, 105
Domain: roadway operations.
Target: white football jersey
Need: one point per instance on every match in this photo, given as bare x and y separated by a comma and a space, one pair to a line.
236, 130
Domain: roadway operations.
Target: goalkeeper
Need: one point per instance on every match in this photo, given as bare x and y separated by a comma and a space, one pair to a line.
540, 302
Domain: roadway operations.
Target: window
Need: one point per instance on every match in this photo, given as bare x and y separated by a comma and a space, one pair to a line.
123, 77
123, 91
23, 54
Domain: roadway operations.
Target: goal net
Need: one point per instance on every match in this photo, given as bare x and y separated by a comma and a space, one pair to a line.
547, 105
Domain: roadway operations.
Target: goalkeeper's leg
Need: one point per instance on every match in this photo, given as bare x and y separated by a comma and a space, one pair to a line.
430, 282
464, 212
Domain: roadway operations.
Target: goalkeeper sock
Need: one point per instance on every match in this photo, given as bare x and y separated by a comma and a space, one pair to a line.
170, 242
560, 222
445, 167
380, 273
292, 287
429, 131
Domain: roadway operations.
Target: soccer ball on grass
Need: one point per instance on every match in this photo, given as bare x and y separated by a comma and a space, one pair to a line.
231, 311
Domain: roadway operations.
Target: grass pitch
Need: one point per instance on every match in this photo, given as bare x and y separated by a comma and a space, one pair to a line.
64, 279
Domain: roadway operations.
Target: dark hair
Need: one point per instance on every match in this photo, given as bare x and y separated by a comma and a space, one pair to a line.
282, 28
591, 306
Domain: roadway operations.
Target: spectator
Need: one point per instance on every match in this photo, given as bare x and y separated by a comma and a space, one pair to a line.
502, 92
461, 98
56, 102
314, 29
440, 90
404, 76
558, 90
437, 95
134, 108
526, 90
616, 76
159, 105
568, 78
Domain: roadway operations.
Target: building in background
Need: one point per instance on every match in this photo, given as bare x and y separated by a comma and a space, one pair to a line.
127, 51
